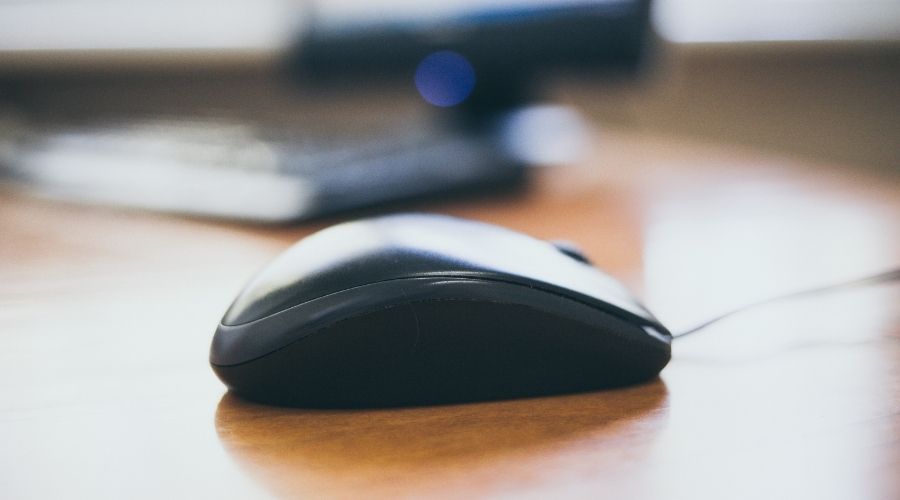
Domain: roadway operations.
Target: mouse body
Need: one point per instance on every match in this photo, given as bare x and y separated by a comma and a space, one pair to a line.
418, 309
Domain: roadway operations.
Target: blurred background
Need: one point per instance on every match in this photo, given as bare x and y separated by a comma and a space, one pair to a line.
276, 110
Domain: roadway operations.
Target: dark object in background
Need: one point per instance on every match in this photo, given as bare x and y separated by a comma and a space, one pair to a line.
509, 47
426, 309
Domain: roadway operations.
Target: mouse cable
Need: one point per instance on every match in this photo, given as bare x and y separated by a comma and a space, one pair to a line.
883, 277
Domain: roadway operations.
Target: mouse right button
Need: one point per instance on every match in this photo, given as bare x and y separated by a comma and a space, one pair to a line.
572, 250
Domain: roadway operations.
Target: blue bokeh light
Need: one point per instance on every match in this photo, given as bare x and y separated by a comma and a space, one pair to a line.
445, 78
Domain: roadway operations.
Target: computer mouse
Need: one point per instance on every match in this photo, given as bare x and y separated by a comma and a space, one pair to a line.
417, 309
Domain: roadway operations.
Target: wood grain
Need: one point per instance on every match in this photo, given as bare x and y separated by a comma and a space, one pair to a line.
106, 318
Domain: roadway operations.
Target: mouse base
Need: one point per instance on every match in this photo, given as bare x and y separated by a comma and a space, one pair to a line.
448, 351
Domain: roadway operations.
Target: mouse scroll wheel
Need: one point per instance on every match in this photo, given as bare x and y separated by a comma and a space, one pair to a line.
570, 249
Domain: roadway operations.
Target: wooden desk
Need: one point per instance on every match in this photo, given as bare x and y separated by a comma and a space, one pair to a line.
106, 318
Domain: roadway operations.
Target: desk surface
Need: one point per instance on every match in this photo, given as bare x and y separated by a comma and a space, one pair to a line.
106, 318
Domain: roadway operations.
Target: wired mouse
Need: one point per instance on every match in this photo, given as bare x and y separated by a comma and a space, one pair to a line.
420, 309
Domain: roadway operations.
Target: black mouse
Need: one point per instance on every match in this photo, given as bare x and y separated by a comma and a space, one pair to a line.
421, 309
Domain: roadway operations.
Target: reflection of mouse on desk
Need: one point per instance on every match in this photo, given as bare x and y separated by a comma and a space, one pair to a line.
421, 309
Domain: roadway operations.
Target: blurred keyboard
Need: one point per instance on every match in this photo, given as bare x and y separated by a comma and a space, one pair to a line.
237, 171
